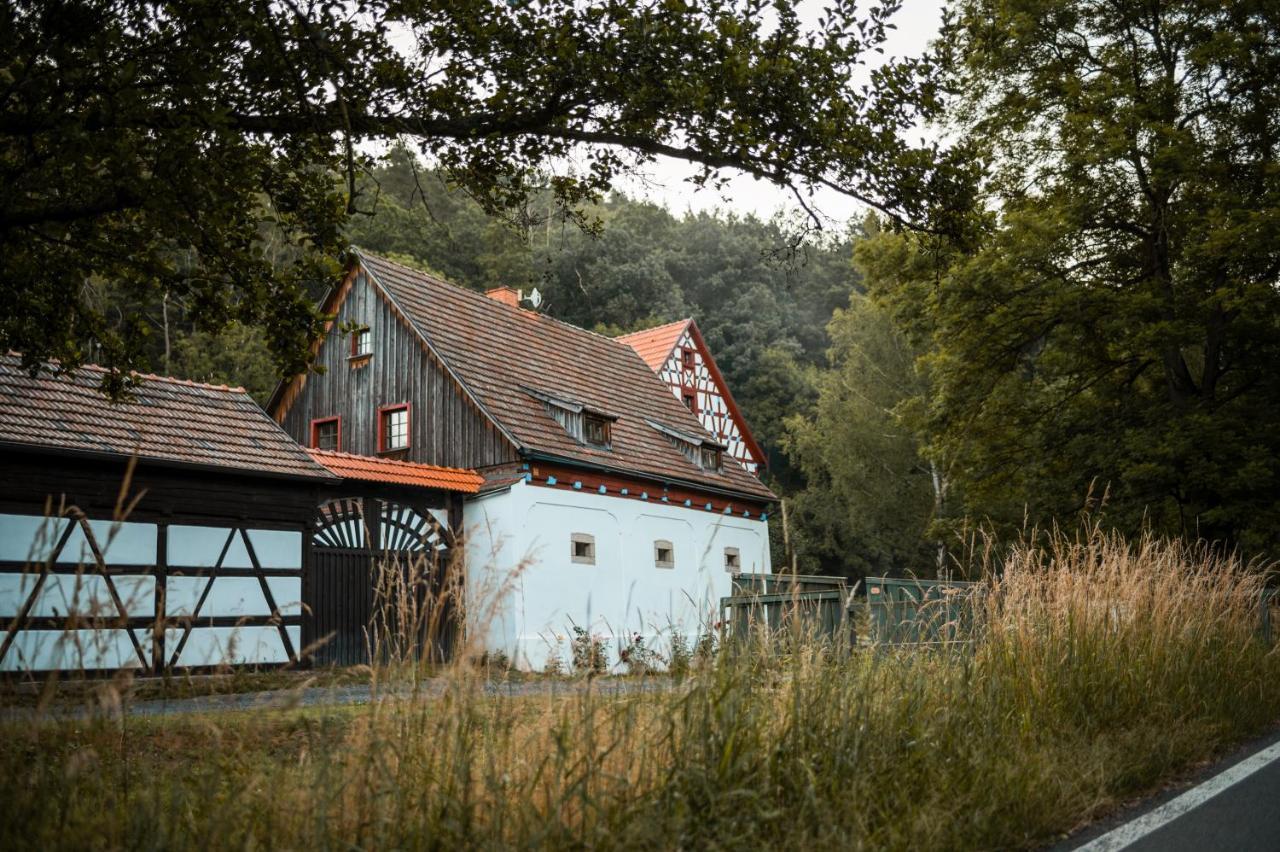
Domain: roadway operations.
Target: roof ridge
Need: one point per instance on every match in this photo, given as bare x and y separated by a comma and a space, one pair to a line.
478, 295
137, 374
654, 328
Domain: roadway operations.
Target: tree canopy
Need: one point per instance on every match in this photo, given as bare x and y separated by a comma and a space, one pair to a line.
211, 152
1111, 322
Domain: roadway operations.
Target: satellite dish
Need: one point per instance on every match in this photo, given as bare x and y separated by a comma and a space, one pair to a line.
534, 298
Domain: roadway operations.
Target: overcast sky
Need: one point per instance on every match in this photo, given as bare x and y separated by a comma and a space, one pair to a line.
916, 24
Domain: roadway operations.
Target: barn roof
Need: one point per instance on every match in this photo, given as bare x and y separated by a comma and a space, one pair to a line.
395, 471
654, 345
166, 420
509, 359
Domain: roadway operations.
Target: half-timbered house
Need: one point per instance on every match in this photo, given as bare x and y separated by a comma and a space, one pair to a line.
679, 355
169, 530
607, 505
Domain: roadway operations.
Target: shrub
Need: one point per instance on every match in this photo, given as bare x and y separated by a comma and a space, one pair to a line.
590, 655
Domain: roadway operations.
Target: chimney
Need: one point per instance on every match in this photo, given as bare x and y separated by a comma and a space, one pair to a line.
505, 295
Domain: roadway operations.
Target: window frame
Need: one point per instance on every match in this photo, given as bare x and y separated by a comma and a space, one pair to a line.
660, 545
363, 333
732, 559
383, 413
316, 423
690, 401
605, 431
587, 539
717, 456
687, 361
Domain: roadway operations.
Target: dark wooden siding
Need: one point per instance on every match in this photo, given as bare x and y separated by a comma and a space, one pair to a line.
446, 427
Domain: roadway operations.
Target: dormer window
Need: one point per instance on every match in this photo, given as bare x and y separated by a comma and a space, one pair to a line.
361, 342
595, 430
587, 425
702, 450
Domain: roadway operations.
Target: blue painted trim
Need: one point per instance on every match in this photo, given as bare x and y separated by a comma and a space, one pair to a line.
644, 495
604, 490
686, 502
551, 480
577, 485
623, 492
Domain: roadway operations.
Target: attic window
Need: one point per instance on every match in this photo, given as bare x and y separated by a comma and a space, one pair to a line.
582, 548
326, 433
701, 450
664, 554
691, 402
393, 428
732, 559
686, 358
589, 425
361, 343
595, 430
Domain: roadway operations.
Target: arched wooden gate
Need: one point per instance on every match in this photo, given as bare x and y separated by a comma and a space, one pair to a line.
381, 582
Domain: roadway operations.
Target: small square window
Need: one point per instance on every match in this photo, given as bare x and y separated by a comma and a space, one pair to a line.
664, 555
595, 430
691, 402
394, 429
710, 458
732, 559
582, 548
686, 358
361, 343
326, 433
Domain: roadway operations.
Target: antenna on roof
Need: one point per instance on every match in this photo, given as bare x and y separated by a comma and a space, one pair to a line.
534, 298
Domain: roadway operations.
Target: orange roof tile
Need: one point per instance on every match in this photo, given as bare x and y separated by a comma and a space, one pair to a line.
372, 469
655, 344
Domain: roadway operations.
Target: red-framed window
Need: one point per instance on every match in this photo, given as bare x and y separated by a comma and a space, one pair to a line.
393, 428
686, 358
690, 400
361, 342
326, 433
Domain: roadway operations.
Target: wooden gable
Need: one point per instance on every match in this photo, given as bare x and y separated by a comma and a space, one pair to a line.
446, 426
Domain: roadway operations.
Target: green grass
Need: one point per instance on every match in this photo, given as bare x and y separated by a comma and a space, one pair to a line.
1099, 670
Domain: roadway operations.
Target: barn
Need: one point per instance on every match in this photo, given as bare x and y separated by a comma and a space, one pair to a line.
183, 528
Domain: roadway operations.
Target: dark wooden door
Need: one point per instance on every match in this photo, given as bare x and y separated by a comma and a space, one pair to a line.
341, 592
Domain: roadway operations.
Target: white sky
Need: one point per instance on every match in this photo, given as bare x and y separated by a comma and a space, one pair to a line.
665, 181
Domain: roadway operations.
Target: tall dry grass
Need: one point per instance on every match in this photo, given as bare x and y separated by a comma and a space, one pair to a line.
1096, 668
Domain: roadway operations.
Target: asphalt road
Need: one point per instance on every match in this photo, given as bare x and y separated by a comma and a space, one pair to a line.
1233, 806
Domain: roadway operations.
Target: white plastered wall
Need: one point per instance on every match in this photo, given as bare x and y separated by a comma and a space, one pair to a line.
525, 592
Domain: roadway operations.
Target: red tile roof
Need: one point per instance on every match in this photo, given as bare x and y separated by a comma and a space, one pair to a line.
654, 345
372, 469
165, 420
498, 353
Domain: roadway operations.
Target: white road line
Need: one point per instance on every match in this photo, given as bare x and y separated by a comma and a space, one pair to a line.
1132, 832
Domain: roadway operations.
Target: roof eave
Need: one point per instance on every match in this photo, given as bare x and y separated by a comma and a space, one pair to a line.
674, 480
321, 475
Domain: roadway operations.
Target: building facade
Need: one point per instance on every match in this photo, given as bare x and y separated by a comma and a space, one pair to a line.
606, 505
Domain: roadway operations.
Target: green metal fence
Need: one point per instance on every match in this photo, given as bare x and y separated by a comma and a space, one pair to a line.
913, 611
805, 604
